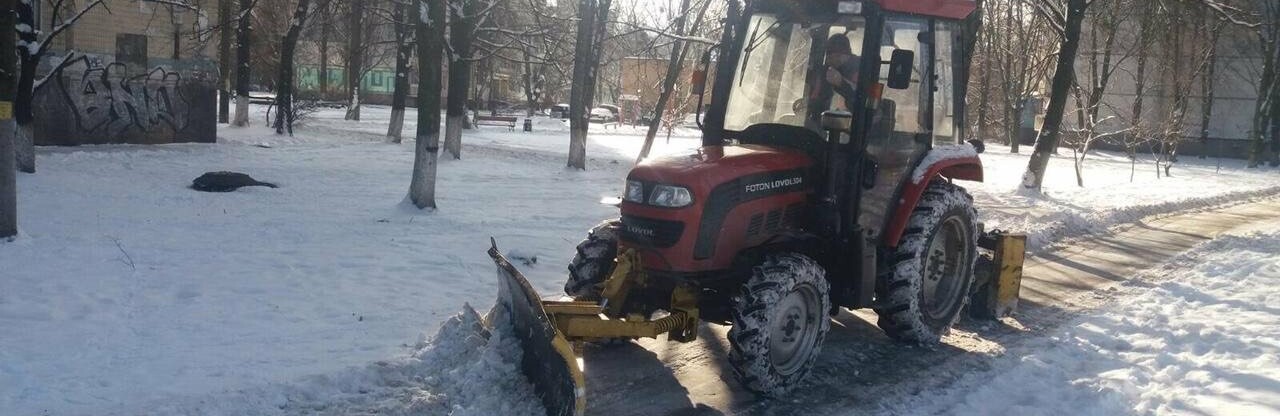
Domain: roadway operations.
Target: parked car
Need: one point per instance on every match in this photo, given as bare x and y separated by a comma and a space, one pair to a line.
603, 115
560, 111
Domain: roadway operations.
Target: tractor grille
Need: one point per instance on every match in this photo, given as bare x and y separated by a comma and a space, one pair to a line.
651, 232
772, 221
793, 214
756, 224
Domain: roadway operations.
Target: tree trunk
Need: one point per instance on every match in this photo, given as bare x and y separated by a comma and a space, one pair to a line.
601, 30
1014, 118
532, 83
1207, 90
1140, 78
430, 29
24, 141
579, 93
403, 50
1267, 118
224, 61
1058, 94
242, 65
324, 50
461, 36
675, 65
355, 57
284, 83
1274, 102
8, 180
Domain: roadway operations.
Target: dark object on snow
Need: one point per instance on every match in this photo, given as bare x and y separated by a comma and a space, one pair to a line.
978, 145
225, 182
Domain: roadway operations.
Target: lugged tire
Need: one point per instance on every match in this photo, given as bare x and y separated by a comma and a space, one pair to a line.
594, 261
906, 317
762, 307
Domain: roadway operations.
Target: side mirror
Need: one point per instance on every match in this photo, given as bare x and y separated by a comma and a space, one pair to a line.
900, 68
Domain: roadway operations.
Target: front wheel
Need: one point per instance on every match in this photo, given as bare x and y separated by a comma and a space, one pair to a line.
594, 262
933, 268
779, 323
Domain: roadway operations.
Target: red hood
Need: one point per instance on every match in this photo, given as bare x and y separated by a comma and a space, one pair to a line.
713, 165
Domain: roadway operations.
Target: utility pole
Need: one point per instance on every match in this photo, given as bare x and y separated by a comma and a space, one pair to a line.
8, 126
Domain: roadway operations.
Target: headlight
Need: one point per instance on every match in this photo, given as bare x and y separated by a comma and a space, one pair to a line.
634, 192
670, 196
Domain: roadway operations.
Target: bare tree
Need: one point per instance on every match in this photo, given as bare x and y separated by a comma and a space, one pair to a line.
462, 31
224, 61
592, 16
1213, 28
326, 27
243, 36
430, 42
1103, 62
404, 48
31, 50
355, 57
679, 50
8, 88
1267, 107
1020, 50
284, 84
1066, 19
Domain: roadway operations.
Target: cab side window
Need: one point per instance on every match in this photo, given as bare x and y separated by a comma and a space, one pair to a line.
904, 110
944, 97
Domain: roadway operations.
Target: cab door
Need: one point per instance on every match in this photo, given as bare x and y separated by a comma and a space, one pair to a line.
902, 127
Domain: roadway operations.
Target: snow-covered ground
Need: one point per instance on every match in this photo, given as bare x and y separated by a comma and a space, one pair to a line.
129, 294
1198, 336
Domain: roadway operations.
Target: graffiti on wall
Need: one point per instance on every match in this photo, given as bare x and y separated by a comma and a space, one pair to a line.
376, 80
112, 100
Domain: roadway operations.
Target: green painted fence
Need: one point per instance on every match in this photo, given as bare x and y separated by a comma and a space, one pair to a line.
376, 80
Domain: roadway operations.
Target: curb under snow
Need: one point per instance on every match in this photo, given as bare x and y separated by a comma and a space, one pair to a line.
1069, 227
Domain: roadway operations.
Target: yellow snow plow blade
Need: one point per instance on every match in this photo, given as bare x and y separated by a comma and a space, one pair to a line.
548, 360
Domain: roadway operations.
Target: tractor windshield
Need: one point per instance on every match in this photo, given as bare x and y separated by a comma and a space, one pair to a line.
777, 79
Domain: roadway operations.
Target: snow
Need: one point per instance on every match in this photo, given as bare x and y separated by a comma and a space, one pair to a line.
128, 293
941, 154
1202, 340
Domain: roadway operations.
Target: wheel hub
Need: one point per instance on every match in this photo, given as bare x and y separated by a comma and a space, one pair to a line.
944, 268
794, 329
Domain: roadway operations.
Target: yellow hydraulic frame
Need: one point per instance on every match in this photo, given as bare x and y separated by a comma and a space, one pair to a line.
582, 320
1000, 298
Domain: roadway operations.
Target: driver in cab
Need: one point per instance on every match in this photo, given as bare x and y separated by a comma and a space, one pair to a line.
840, 77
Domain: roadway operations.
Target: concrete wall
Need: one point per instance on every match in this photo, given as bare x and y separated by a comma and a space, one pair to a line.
99, 100
96, 31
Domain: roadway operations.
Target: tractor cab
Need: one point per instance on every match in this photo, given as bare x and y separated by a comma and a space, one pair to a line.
902, 68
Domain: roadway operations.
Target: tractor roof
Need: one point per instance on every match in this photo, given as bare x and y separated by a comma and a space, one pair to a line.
823, 9
949, 9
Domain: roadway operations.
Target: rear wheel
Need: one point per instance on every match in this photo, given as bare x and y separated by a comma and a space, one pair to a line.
779, 323
594, 261
932, 272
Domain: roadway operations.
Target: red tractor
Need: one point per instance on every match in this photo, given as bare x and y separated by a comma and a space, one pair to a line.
823, 182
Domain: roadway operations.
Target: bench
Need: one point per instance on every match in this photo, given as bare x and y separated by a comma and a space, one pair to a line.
509, 121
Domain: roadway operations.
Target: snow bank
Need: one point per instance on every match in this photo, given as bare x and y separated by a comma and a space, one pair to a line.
1064, 211
1201, 341
463, 370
